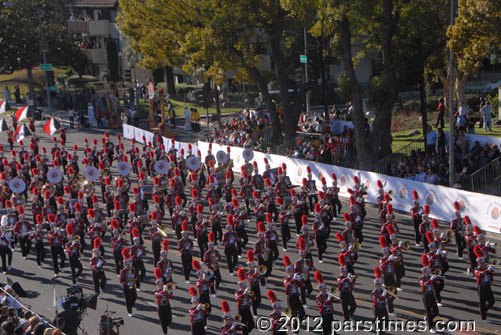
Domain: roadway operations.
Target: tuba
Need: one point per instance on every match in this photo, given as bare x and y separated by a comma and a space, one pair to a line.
261, 269
88, 188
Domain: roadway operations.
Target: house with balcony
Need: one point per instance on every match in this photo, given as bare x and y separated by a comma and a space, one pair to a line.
93, 24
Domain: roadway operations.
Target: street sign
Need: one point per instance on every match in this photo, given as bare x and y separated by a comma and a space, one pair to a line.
46, 67
303, 59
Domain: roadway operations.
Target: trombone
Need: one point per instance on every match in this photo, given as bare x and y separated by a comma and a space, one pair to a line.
389, 290
448, 236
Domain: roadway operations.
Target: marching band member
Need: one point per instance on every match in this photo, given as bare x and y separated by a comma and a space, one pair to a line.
416, 216
424, 227
202, 230
203, 286
255, 278
292, 284
387, 266
312, 189
271, 237
215, 221
324, 302
321, 233
303, 266
485, 276
284, 215
38, 237
239, 220
333, 196
117, 242
346, 283
244, 298
428, 285
5, 242
163, 296
486, 247
350, 256
185, 245
438, 265
165, 264
156, 237
262, 249
211, 258
470, 238
398, 257
276, 316
380, 297
230, 327
22, 230
72, 248
137, 253
128, 278
457, 228
97, 263
230, 245
307, 236
197, 313
56, 240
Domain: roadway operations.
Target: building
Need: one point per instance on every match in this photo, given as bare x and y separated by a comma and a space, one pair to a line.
93, 23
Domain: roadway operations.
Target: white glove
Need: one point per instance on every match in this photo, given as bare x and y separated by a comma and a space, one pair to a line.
297, 276
433, 277
490, 268
306, 267
391, 257
349, 275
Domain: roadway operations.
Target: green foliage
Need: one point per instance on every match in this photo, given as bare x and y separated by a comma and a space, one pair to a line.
112, 58
378, 92
343, 86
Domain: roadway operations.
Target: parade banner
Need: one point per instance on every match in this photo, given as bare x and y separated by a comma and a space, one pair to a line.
483, 210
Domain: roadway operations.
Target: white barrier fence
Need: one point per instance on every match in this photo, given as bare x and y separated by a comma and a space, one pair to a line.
484, 210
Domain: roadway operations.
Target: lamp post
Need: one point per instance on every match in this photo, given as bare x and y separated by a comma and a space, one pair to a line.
452, 170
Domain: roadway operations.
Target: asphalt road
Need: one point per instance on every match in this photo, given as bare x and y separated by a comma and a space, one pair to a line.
459, 296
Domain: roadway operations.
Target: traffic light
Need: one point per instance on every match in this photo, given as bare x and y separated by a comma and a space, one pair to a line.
128, 76
50, 79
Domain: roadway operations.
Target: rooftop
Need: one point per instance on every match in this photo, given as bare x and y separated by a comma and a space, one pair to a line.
93, 3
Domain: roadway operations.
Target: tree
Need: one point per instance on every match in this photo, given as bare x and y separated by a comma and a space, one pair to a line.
21, 35
475, 31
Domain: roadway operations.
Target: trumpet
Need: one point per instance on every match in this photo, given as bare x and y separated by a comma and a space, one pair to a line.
171, 287
261, 270
406, 245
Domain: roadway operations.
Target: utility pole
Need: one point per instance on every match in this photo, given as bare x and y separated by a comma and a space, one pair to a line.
44, 50
452, 171
306, 73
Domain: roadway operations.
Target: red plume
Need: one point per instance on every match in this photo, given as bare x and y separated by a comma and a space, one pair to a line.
379, 184
434, 223
429, 236
135, 232
287, 261
424, 260
260, 227
339, 237
193, 291
271, 296
165, 245
157, 272
467, 220
382, 241
341, 258
415, 195
241, 274
302, 244
225, 307
456, 206
347, 217
97, 243
196, 265
378, 273
212, 238
250, 256
477, 230
304, 220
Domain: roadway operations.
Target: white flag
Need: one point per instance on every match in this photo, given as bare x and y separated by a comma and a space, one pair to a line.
54, 298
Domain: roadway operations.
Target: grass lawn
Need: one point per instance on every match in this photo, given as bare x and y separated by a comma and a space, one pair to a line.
179, 108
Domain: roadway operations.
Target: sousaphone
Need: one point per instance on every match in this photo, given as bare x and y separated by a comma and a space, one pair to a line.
221, 157
54, 176
123, 169
91, 174
17, 185
248, 154
161, 167
193, 163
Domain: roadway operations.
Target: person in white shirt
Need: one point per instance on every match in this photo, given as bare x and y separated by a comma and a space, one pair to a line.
187, 121
486, 112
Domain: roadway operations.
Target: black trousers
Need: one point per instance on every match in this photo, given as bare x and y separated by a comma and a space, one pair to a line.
99, 280
218, 233
76, 267
286, 234
273, 210
204, 298
473, 259
165, 316
55, 251
439, 286
306, 289
40, 250
336, 206
156, 246
416, 222
25, 243
274, 250
296, 306
380, 313
130, 295
431, 308
486, 298
425, 244
217, 279
321, 245
460, 244
440, 120
119, 261
269, 266
399, 273
327, 319
203, 241
257, 295
198, 327
312, 199
348, 304
3, 254
389, 281
141, 271
243, 239
247, 318
359, 234
186, 259
231, 257
297, 218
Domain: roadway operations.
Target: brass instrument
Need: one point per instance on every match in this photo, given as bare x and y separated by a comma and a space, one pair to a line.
437, 272
288, 312
448, 236
171, 287
77, 238
88, 188
204, 306
250, 293
406, 245
355, 247
333, 290
164, 234
50, 187
237, 318
124, 233
390, 290
261, 269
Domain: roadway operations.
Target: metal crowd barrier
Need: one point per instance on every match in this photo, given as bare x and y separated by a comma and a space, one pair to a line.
486, 179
